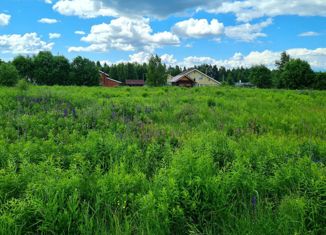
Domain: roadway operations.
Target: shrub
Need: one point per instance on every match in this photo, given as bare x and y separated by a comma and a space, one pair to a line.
8, 75
22, 85
297, 74
211, 103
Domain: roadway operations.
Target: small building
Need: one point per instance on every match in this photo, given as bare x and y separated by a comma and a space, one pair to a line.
244, 84
106, 81
191, 78
135, 82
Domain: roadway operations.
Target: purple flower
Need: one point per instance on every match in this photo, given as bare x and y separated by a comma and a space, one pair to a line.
65, 113
148, 110
113, 115
254, 201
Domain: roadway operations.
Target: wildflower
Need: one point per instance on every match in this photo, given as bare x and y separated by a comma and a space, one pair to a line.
148, 110
113, 115
65, 113
254, 201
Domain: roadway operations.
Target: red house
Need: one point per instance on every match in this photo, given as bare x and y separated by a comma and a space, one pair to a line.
106, 81
135, 82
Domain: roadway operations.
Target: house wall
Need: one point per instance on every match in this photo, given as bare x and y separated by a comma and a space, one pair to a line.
201, 79
108, 83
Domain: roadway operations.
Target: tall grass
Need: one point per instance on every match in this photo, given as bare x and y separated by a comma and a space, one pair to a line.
77, 160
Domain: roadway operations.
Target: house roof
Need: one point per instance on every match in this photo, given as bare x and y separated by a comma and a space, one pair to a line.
185, 73
135, 82
107, 76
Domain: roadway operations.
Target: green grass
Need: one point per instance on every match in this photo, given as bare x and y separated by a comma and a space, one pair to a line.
162, 161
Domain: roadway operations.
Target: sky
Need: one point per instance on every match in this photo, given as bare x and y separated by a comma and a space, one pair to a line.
185, 32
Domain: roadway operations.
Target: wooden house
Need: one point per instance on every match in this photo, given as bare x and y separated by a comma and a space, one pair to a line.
135, 82
191, 78
106, 81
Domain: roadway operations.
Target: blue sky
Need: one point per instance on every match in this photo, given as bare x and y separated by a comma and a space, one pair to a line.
221, 32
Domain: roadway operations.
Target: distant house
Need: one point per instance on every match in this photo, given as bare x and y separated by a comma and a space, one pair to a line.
244, 84
135, 82
191, 78
106, 81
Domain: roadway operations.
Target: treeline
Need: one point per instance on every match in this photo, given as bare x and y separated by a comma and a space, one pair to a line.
289, 73
47, 69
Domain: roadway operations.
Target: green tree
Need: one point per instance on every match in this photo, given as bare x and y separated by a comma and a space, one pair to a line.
50, 70
131, 71
25, 66
261, 76
297, 74
320, 81
229, 79
43, 68
8, 75
156, 75
114, 72
280, 64
60, 72
84, 72
222, 74
285, 58
122, 72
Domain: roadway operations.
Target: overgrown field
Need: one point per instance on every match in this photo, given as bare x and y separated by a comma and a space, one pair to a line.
162, 161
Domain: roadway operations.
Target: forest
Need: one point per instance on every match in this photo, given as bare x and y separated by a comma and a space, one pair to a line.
47, 69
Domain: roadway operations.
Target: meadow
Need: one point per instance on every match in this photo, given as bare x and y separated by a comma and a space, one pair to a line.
76, 160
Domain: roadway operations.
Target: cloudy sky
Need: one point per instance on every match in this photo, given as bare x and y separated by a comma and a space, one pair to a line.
185, 32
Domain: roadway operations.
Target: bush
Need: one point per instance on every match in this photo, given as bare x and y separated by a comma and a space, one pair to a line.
320, 81
8, 75
297, 74
261, 76
22, 85
211, 103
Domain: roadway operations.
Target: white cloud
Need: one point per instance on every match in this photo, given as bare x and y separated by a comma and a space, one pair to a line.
29, 43
83, 8
48, 21
247, 32
316, 58
143, 57
54, 35
125, 34
252, 9
309, 34
191, 61
107, 62
198, 28
140, 58
91, 48
237, 60
48, 1
78, 32
168, 59
4, 19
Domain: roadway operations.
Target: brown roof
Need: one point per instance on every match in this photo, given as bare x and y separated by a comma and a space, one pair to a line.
107, 76
135, 82
185, 74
